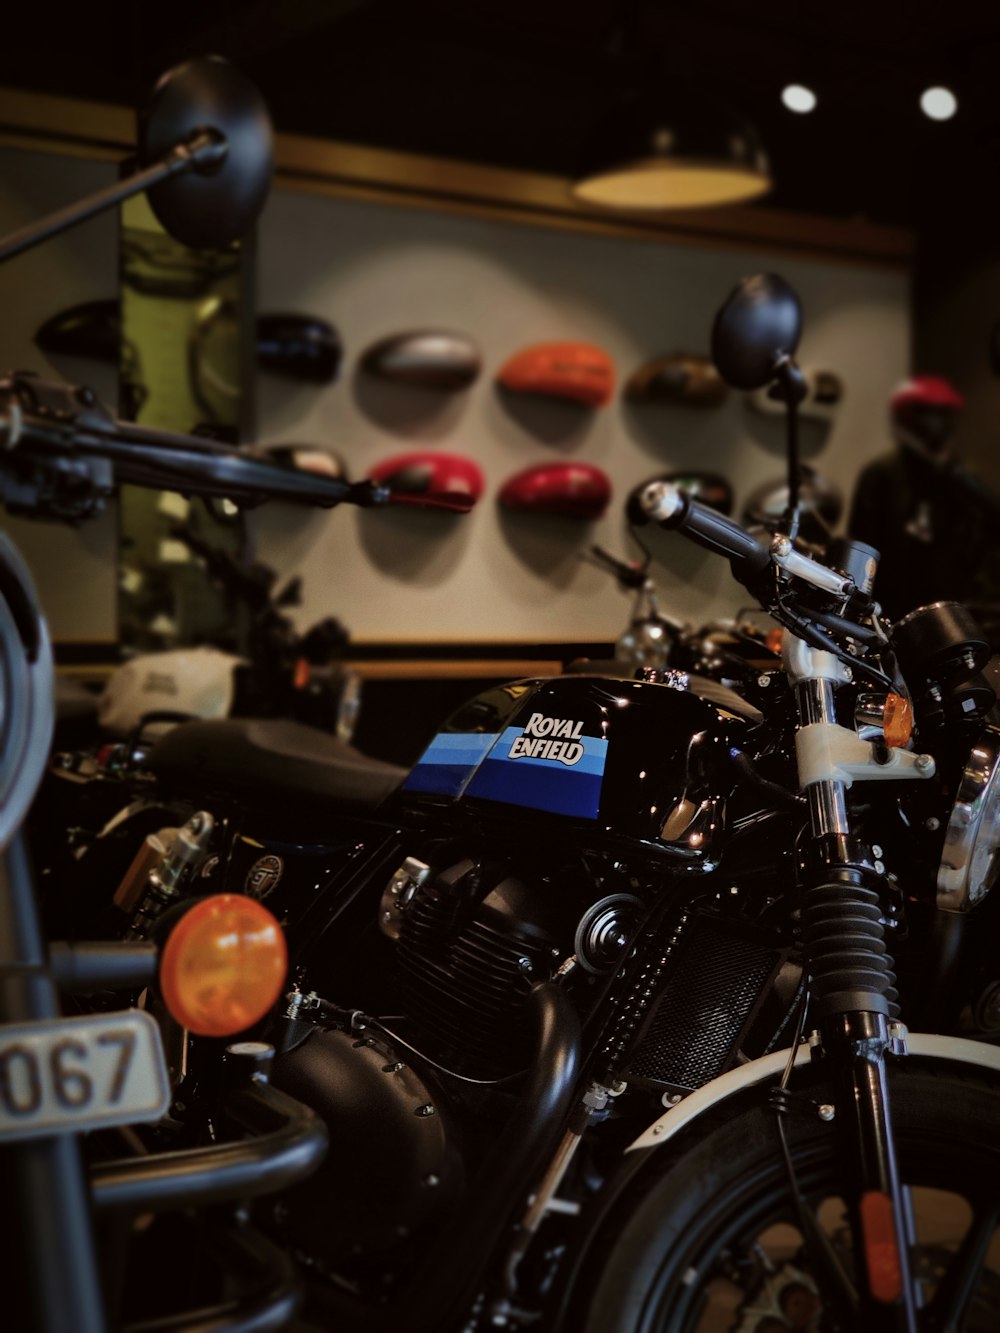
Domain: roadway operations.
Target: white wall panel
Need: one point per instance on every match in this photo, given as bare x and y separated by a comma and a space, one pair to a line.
375, 270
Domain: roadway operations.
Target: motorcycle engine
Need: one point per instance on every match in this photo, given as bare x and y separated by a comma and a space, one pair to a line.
475, 936
703, 986
675, 985
471, 939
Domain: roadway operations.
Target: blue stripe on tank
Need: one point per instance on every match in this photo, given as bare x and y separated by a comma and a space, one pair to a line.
448, 762
543, 784
538, 786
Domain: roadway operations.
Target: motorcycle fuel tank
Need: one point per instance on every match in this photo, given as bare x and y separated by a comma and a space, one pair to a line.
431, 480
578, 489
429, 359
630, 758
574, 370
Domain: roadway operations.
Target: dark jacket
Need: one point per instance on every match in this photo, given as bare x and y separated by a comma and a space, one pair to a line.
937, 528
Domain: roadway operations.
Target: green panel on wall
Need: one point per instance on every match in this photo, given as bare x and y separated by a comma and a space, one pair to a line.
186, 320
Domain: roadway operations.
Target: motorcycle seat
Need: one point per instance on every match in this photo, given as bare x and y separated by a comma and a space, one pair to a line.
274, 760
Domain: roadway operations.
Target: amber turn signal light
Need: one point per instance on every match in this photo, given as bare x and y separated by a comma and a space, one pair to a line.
897, 721
223, 966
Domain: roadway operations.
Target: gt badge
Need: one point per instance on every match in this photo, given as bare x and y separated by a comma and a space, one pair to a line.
263, 876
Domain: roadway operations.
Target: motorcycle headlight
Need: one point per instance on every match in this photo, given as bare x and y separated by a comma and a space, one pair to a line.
969, 862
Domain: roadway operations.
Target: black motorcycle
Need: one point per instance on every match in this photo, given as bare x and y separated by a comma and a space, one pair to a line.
96, 1164
271, 669
606, 1003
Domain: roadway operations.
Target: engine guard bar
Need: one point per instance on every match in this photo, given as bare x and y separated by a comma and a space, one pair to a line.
269, 1299
287, 1142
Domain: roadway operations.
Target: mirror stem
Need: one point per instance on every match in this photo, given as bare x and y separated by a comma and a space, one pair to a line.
204, 152
790, 387
792, 512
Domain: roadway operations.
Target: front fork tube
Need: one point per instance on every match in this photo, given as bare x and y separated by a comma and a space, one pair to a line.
852, 989
878, 1203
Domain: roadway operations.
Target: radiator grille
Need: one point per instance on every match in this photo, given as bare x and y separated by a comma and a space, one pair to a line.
693, 1027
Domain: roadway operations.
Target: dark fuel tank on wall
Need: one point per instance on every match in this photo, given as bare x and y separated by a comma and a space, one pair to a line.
427, 359
681, 378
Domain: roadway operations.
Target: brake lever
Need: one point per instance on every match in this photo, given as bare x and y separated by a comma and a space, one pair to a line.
810, 571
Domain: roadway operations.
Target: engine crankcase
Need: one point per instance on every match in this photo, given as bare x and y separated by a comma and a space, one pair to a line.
392, 1167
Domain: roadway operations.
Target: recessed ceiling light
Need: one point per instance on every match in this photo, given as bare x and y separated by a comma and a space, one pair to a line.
938, 103
798, 98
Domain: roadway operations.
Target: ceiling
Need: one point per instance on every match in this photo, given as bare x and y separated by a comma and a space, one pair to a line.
522, 83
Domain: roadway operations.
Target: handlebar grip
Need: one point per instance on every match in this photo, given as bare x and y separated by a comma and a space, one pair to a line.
672, 508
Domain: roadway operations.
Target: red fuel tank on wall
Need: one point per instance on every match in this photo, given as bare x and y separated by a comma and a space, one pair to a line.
431, 480
578, 489
573, 370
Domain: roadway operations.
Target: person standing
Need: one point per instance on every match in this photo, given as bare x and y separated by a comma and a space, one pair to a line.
933, 522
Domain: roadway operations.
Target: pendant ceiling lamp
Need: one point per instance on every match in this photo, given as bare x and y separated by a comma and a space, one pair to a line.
648, 157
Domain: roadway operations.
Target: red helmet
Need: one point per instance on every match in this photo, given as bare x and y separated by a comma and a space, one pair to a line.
925, 391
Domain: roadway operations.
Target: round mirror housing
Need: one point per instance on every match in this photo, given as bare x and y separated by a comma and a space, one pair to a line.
760, 322
217, 200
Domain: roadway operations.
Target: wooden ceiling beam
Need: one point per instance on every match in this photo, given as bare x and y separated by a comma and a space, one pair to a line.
356, 171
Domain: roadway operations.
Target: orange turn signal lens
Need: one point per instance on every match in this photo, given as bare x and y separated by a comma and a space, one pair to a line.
897, 721
223, 966
773, 640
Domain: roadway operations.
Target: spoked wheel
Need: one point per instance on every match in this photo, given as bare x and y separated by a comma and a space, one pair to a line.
709, 1240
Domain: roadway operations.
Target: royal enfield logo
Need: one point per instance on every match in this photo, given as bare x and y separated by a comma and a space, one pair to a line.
549, 738
263, 876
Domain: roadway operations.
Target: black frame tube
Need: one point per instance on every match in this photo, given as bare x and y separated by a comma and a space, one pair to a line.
271, 1302
56, 1269
85, 967
288, 1142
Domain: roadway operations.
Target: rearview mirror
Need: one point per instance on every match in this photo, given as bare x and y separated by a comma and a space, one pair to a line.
206, 156
216, 203
759, 325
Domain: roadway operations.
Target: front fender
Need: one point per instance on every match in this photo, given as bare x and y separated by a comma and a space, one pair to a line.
955, 1049
705, 1102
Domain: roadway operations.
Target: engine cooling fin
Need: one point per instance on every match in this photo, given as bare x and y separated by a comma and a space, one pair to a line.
464, 989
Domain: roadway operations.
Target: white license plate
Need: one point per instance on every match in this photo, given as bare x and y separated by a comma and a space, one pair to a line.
66, 1074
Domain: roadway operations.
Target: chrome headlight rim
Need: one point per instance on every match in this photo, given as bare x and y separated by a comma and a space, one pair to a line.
962, 879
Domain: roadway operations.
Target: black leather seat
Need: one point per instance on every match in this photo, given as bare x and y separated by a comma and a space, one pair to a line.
270, 760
